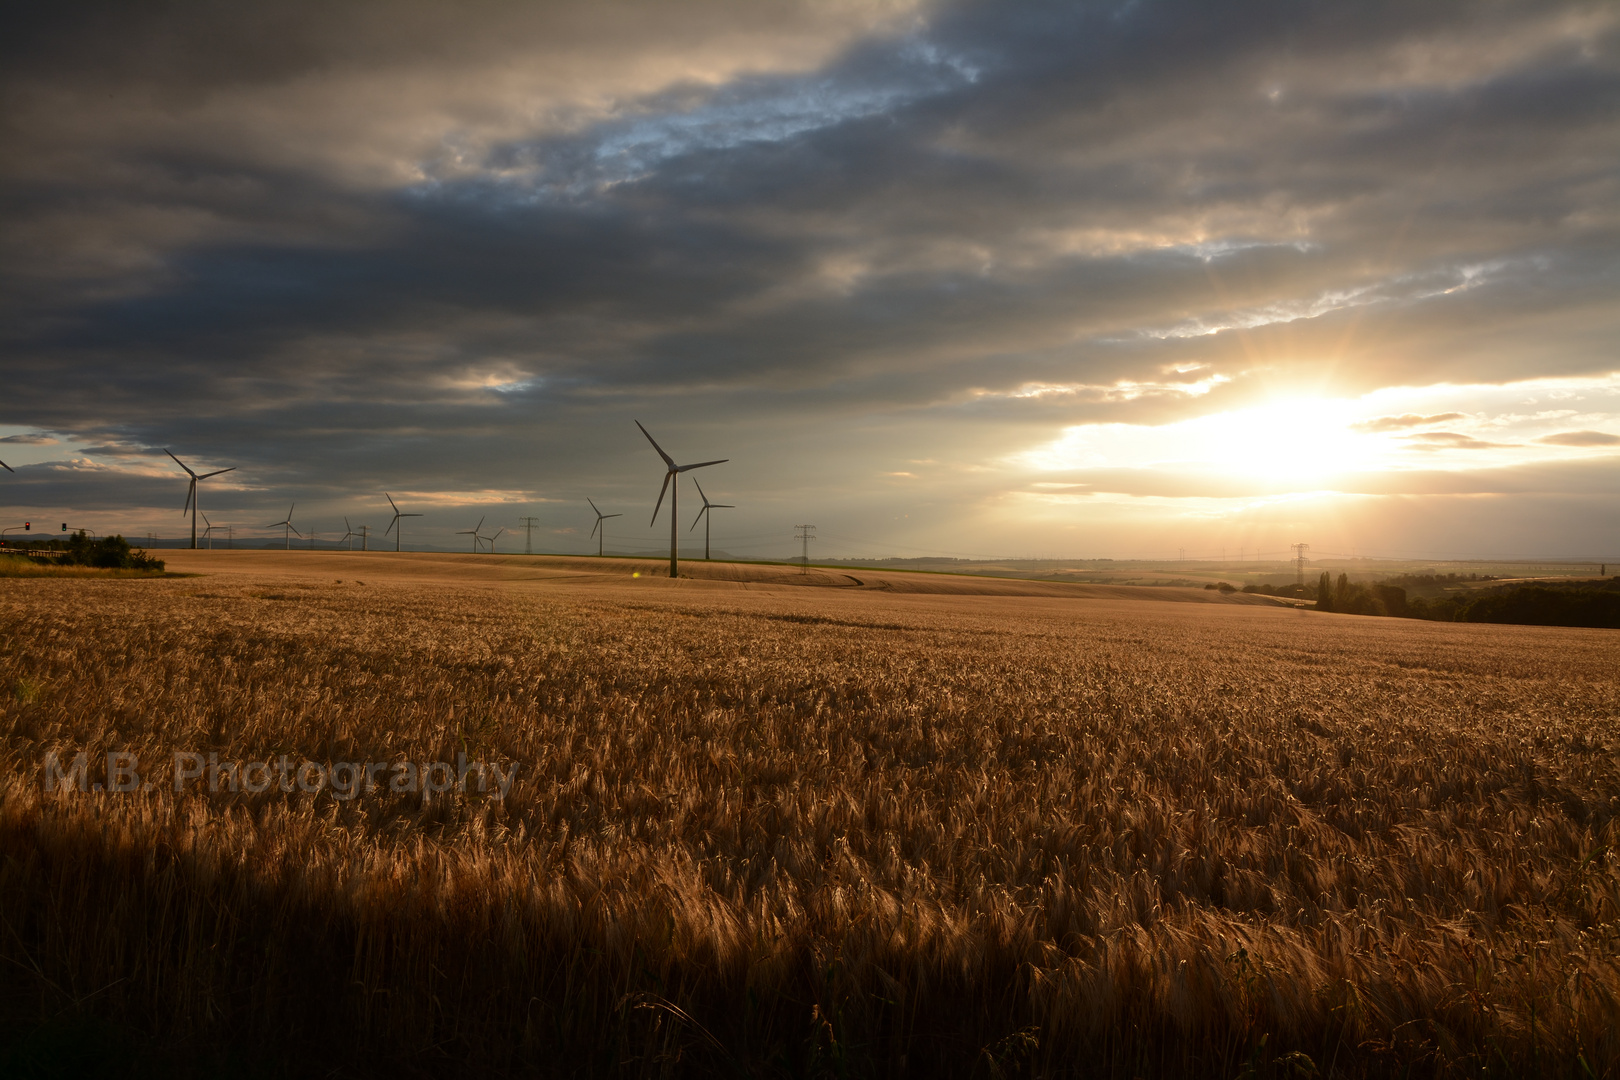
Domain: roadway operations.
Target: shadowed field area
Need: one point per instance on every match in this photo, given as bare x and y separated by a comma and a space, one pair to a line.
763, 829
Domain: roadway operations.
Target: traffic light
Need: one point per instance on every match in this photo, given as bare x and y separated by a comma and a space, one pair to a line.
64, 526
28, 526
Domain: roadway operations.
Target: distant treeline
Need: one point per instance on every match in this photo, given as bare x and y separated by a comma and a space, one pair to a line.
106, 553
1582, 603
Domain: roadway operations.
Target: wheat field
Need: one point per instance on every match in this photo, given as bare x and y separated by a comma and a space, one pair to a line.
766, 830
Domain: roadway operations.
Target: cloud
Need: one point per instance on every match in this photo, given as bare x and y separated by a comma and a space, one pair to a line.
351, 246
1451, 440
1404, 421
35, 439
1580, 438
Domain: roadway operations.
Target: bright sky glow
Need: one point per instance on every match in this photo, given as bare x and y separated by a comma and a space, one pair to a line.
1307, 441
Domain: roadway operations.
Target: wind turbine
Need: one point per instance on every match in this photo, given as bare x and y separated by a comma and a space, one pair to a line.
674, 474
397, 516
490, 540
600, 517
287, 527
348, 534
705, 516
473, 532
208, 533
191, 493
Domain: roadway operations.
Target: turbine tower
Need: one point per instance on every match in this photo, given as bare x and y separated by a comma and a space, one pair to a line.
286, 527
348, 534
704, 516
397, 516
674, 474
601, 540
191, 493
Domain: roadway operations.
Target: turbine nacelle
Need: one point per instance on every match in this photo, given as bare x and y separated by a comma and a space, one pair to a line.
707, 506
286, 523
191, 490
600, 517
674, 470
673, 474
397, 515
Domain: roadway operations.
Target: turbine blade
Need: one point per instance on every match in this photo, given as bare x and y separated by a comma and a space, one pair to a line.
702, 496
391, 525
178, 462
191, 491
410, 515
593, 506
598, 525
699, 517
216, 472
667, 459
6, 467
294, 528
722, 506
480, 524
390, 499
606, 516
702, 465
661, 492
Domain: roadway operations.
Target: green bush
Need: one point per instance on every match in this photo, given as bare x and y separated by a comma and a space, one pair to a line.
107, 553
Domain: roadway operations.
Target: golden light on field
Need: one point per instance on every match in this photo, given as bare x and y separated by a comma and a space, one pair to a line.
1034, 811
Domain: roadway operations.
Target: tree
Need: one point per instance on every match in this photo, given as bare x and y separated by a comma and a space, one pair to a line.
1324, 593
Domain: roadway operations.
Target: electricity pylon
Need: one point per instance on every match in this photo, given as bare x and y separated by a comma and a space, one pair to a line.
806, 534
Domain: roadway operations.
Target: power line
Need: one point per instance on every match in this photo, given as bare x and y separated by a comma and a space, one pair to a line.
528, 524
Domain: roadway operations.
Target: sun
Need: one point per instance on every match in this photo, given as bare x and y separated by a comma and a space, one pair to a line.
1295, 439
1299, 440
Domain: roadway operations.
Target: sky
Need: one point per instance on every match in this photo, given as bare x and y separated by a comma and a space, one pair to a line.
1068, 280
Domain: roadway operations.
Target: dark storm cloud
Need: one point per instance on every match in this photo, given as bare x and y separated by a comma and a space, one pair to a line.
335, 242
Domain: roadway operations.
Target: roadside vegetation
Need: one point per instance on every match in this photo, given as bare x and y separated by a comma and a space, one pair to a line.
78, 556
